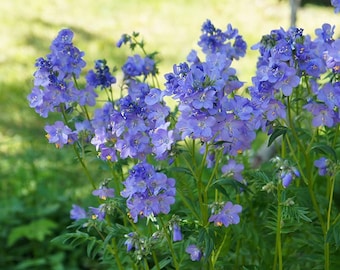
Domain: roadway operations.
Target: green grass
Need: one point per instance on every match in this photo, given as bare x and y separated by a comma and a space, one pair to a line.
33, 174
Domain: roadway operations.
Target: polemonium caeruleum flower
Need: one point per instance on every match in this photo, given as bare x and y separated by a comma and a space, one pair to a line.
77, 212
322, 165
176, 232
135, 126
195, 253
98, 213
288, 175
101, 76
210, 111
132, 241
228, 215
60, 134
103, 193
336, 4
53, 79
233, 169
286, 57
148, 192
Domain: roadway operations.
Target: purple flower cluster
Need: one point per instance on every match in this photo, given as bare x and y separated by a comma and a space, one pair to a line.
137, 66
336, 5
209, 108
148, 192
59, 134
135, 127
214, 40
286, 57
53, 79
324, 103
101, 76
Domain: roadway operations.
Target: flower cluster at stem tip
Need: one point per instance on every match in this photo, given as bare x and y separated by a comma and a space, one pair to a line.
139, 126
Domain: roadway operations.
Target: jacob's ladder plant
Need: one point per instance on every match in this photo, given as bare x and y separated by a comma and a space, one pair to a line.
179, 189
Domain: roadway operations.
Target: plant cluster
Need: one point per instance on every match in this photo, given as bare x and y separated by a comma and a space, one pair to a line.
179, 187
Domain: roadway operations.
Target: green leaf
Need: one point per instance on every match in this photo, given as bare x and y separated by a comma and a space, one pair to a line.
333, 234
93, 245
162, 264
209, 245
36, 230
181, 170
278, 131
228, 181
325, 149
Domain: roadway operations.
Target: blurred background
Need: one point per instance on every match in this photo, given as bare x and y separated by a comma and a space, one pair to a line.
38, 183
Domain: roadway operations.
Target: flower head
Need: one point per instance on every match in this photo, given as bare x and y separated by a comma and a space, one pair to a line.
176, 232
53, 79
132, 241
229, 214
148, 192
234, 170
103, 193
101, 76
60, 134
98, 213
336, 4
195, 253
77, 212
323, 165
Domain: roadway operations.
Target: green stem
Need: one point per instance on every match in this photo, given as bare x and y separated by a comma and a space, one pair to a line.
113, 251
84, 167
146, 265
199, 190
89, 177
184, 200
218, 156
278, 248
217, 253
328, 224
336, 136
168, 238
308, 178
152, 251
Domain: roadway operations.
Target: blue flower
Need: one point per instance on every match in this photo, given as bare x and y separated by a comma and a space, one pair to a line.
54, 77
64, 57
195, 253
228, 215
322, 165
132, 241
103, 193
233, 169
287, 175
336, 4
59, 134
77, 212
98, 213
148, 192
136, 66
176, 232
101, 76
322, 115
